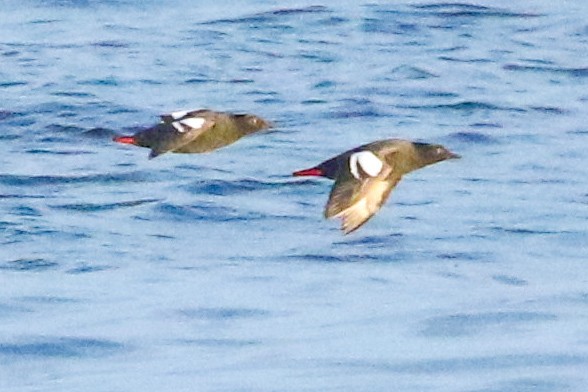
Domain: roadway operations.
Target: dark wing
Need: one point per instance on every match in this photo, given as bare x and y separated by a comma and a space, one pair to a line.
184, 114
176, 130
355, 200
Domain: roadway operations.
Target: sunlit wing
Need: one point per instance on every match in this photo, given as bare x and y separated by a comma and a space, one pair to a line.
355, 200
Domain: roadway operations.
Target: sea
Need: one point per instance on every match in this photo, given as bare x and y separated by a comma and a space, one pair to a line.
218, 272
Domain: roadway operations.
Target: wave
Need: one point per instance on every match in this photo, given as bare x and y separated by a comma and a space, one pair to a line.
223, 313
269, 16
204, 212
32, 264
473, 138
63, 347
247, 185
465, 106
469, 324
580, 72
459, 10
41, 180
96, 207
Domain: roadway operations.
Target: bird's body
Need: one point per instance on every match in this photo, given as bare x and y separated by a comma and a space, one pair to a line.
365, 176
195, 131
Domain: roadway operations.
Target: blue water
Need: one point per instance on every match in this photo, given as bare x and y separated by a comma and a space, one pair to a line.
217, 272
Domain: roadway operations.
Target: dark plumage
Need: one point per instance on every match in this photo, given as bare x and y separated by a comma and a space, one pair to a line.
195, 131
365, 176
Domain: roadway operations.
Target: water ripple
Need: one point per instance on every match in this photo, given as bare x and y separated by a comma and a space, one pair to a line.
468, 256
6, 114
28, 265
87, 268
10, 310
223, 313
271, 16
12, 84
464, 106
524, 230
61, 347
220, 343
204, 212
95, 207
510, 280
581, 72
473, 138
42, 180
457, 10
330, 258
112, 44
98, 133
550, 110
58, 152
410, 72
21, 196
373, 241
73, 94
469, 324
396, 20
227, 188
466, 364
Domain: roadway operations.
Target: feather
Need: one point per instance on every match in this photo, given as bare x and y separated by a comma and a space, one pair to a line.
356, 199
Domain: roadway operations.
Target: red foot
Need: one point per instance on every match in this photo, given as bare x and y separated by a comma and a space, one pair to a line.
308, 172
124, 139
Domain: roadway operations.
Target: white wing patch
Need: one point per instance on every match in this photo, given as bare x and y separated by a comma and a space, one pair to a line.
193, 122
179, 114
367, 161
179, 127
188, 124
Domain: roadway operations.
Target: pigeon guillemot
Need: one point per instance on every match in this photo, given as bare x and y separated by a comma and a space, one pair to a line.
365, 176
195, 131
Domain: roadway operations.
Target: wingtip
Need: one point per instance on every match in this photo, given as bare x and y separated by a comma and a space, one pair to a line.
346, 230
349, 226
154, 154
352, 218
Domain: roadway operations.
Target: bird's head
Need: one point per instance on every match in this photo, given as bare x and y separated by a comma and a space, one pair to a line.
433, 153
252, 123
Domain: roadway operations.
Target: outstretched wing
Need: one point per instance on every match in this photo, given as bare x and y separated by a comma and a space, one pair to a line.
360, 190
180, 128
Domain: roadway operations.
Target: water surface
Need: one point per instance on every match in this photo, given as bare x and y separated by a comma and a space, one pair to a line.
217, 272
